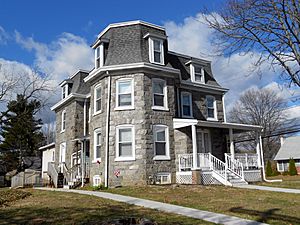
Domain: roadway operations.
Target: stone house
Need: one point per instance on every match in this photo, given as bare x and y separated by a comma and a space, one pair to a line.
144, 115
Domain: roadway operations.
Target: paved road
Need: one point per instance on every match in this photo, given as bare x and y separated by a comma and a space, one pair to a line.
185, 211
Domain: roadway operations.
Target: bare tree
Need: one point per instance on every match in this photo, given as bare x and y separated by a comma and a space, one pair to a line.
49, 131
270, 28
261, 107
29, 83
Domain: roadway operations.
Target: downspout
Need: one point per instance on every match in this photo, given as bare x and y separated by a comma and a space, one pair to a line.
224, 111
107, 130
178, 103
83, 145
263, 164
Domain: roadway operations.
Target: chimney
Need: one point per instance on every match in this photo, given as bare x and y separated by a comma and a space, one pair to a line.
281, 140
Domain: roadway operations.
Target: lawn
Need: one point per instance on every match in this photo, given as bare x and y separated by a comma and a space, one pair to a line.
287, 182
47, 207
263, 206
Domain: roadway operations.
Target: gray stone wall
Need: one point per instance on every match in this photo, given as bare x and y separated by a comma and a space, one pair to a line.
143, 117
73, 130
199, 105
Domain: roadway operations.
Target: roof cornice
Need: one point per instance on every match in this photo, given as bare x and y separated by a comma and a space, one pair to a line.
67, 99
122, 24
203, 87
141, 65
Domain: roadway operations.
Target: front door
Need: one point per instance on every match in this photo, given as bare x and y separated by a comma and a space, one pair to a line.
203, 146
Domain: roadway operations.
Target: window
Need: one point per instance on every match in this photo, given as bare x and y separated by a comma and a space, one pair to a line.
96, 180
97, 100
125, 94
97, 145
161, 142
99, 56
156, 51
63, 120
186, 104
211, 107
163, 178
62, 152
197, 73
159, 89
125, 147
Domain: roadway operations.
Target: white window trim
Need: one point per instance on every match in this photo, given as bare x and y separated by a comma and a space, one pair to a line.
96, 177
65, 90
215, 109
127, 107
161, 157
62, 155
192, 72
96, 131
191, 104
151, 50
101, 55
95, 93
164, 174
125, 158
165, 107
63, 121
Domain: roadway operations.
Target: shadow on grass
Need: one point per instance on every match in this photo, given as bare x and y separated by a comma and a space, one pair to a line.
73, 215
267, 216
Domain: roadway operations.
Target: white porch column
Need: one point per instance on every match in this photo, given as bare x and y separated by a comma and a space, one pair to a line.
231, 143
194, 142
257, 139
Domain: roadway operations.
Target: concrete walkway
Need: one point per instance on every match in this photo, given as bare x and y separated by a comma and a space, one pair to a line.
180, 210
266, 188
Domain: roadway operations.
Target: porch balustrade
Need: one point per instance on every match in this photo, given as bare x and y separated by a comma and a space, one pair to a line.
248, 160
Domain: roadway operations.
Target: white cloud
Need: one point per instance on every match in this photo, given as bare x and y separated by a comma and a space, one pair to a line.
4, 36
62, 57
194, 38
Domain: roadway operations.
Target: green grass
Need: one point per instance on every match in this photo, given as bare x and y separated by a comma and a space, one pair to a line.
47, 207
287, 182
7, 196
263, 206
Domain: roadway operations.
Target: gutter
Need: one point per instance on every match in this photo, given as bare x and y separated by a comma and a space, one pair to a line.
107, 130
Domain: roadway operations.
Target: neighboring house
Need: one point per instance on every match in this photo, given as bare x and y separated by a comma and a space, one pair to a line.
144, 115
48, 156
290, 149
32, 174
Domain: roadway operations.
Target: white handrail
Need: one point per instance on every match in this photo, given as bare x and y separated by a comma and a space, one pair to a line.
234, 166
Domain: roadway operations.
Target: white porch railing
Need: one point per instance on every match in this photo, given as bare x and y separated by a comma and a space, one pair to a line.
234, 166
248, 160
186, 161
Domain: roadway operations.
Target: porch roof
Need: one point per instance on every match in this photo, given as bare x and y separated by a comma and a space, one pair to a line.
179, 123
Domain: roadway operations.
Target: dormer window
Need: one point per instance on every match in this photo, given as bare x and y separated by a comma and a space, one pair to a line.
156, 51
65, 91
197, 73
99, 56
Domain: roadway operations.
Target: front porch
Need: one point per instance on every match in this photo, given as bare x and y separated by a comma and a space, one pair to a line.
211, 157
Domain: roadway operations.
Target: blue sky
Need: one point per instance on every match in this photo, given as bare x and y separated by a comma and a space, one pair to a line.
55, 36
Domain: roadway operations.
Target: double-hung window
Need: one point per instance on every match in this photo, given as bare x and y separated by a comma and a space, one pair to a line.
161, 142
64, 91
159, 89
156, 51
97, 99
97, 145
125, 94
125, 146
99, 56
211, 107
197, 73
63, 120
186, 104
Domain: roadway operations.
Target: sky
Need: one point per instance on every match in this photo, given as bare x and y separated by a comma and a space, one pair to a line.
55, 36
